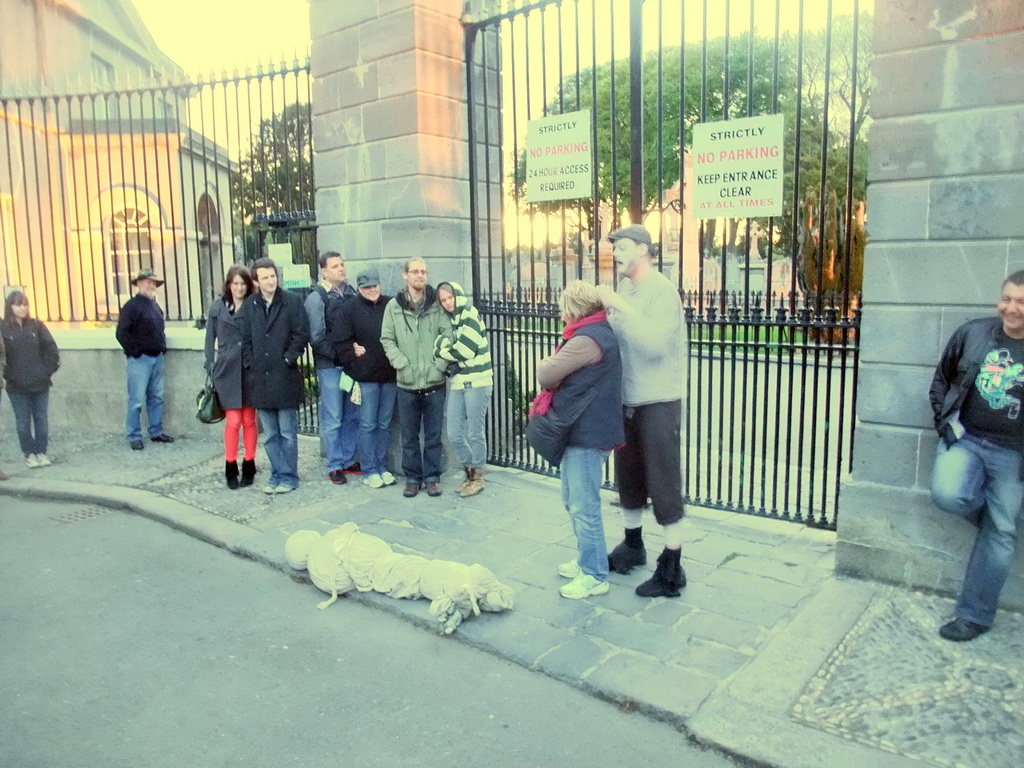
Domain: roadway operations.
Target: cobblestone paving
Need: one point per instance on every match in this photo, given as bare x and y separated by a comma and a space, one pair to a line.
893, 683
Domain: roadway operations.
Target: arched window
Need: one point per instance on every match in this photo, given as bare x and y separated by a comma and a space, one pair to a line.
131, 248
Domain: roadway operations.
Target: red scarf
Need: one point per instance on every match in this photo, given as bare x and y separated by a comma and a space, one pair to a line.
542, 402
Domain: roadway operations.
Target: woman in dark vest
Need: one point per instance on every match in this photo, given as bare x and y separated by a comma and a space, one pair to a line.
232, 381
587, 360
32, 359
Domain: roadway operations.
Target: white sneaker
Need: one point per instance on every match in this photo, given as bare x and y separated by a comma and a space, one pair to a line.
269, 488
32, 461
569, 570
582, 586
374, 481
387, 478
42, 460
284, 489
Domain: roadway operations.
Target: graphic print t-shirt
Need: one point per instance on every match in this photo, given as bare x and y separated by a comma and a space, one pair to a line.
993, 406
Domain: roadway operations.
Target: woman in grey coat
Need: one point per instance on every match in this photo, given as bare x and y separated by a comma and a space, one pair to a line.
231, 380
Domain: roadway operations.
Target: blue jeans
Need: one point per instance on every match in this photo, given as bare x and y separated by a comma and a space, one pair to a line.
467, 423
581, 471
145, 383
375, 414
281, 428
339, 420
421, 410
31, 408
980, 481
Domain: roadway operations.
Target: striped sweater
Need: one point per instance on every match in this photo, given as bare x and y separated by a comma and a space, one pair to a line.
469, 347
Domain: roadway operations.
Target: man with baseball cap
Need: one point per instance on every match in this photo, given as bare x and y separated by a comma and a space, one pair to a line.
140, 332
647, 317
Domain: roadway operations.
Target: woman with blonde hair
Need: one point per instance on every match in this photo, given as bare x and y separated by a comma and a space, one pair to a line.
585, 365
230, 378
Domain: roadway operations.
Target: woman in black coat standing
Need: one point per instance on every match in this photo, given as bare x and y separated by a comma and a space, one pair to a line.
232, 381
32, 359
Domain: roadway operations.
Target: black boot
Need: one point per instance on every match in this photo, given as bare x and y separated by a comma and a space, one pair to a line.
629, 553
231, 474
668, 577
248, 471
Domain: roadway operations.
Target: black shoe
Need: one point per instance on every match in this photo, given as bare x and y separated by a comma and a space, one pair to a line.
961, 630
248, 471
337, 476
625, 557
162, 439
136, 445
433, 489
411, 489
231, 474
353, 469
668, 577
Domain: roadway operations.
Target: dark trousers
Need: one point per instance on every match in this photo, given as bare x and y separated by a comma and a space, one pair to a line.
31, 419
648, 465
421, 410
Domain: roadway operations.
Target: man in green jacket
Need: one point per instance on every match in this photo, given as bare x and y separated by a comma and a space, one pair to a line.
412, 321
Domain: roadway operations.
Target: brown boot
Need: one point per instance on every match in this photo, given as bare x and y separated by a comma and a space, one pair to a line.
464, 483
475, 484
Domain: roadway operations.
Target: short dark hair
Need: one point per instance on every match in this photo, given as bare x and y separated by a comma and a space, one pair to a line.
327, 256
265, 263
238, 270
1017, 278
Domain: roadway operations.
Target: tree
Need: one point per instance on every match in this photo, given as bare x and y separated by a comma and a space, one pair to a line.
275, 175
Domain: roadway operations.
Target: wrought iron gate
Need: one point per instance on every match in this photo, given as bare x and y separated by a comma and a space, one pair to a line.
772, 305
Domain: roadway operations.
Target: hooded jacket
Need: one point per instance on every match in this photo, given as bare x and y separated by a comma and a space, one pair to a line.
408, 335
359, 321
468, 346
32, 356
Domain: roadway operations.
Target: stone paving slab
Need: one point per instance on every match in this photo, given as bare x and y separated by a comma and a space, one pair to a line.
766, 654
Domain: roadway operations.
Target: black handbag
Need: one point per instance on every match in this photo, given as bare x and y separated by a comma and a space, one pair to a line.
548, 434
208, 408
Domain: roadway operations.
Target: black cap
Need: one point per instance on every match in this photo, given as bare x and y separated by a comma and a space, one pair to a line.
368, 278
634, 232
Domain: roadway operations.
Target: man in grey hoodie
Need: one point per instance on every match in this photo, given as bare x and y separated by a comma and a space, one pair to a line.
647, 317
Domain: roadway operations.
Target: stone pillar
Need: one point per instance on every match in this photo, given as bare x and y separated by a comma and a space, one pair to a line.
389, 128
945, 226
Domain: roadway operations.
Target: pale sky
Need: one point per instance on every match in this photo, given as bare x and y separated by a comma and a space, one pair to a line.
208, 36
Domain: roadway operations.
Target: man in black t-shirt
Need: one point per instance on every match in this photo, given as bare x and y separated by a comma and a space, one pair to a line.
976, 397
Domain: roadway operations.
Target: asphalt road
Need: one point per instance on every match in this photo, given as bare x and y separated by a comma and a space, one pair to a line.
125, 643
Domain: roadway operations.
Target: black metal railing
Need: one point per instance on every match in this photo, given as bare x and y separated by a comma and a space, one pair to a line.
183, 178
773, 304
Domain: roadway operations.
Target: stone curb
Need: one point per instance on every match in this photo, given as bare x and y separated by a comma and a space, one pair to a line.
726, 720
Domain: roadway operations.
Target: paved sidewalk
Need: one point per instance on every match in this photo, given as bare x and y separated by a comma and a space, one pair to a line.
767, 654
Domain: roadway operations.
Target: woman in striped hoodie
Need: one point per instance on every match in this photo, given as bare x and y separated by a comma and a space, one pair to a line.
470, 382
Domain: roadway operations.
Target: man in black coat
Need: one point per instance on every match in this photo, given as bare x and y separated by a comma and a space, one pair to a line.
140, 332
275, 332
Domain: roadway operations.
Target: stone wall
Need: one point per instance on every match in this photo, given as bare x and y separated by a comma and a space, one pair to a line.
389, 125
945, 226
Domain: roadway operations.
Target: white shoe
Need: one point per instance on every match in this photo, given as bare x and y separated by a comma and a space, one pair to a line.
269, 488
284, 489
387, 478
32, 461
569, 570
374, 481
42, 460
582, 586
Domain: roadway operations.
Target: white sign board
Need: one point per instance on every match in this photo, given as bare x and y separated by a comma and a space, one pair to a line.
737, 168
559, 158
294, 276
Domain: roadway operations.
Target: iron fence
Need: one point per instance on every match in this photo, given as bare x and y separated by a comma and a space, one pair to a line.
183, 178
772, 304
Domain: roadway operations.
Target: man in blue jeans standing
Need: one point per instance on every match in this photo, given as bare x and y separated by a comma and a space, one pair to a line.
339, 416
978, 474
140, 332
275, 332
412, 321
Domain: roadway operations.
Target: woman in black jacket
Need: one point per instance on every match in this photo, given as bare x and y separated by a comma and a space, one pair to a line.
355, 336
32, 358
232, 381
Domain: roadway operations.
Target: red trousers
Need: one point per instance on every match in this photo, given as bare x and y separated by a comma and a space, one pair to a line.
244, 419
